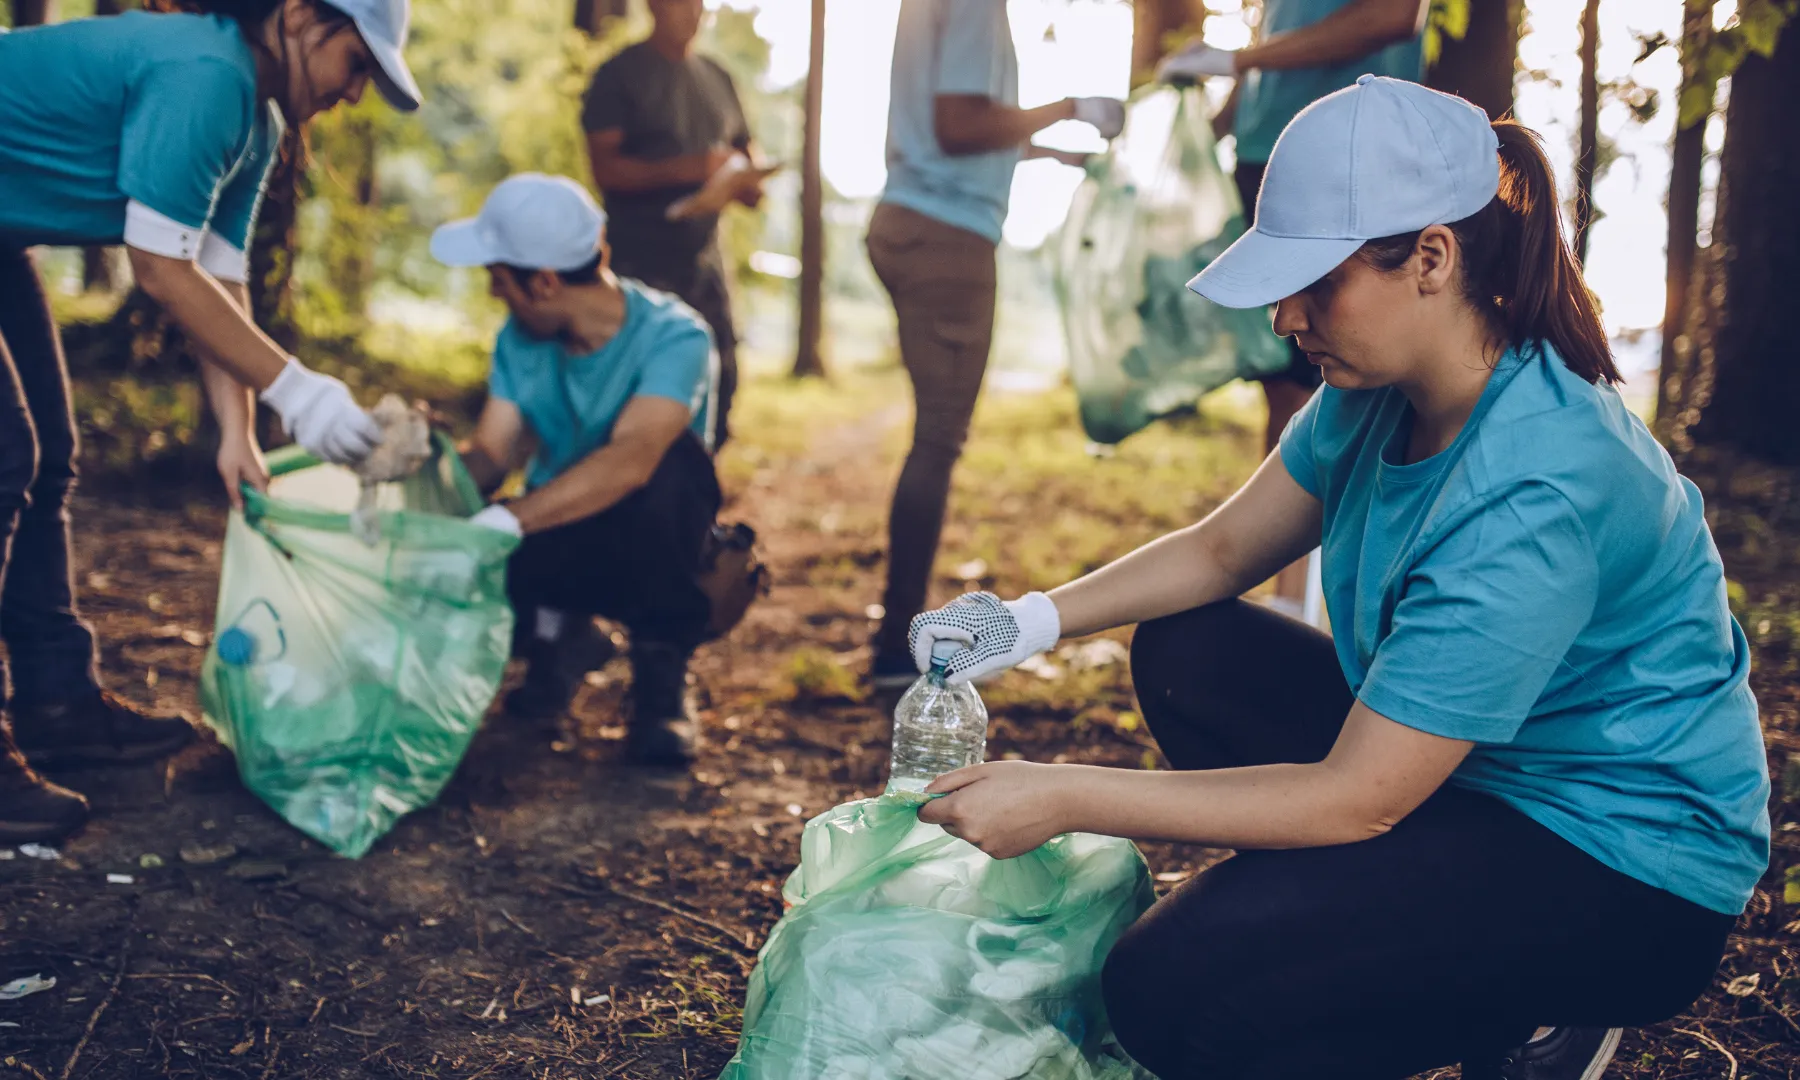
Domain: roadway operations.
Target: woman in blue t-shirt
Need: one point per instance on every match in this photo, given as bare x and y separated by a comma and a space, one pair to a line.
1518, 797
157, 131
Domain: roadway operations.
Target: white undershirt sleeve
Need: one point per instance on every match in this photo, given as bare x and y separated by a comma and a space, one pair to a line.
223, 260
159, 234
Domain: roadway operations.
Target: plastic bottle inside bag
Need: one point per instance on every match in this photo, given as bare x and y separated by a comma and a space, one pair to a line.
939, 727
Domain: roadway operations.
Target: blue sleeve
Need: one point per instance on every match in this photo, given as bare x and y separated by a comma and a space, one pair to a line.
183, 131
681, 368
234, 219
971, 48
1486, 617
1297, 447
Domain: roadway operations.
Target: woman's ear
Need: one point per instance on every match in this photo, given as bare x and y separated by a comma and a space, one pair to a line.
1437, 255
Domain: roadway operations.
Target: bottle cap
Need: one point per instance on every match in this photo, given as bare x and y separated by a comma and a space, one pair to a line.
236, 646
943, 650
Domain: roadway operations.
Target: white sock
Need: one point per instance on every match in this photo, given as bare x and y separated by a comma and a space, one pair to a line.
549, 624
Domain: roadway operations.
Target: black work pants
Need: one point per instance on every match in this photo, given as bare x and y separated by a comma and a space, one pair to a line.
1449, 938
51, 649
633, 563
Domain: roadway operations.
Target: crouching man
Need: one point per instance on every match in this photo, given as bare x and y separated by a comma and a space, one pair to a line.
602, 389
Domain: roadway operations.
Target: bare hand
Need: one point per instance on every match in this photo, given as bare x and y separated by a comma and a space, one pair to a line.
1005, 808
241, 462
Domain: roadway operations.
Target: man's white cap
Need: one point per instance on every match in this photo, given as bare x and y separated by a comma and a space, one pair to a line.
532, 221
1380, 158
383, 25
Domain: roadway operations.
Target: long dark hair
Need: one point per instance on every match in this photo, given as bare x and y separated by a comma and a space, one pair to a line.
1518, 270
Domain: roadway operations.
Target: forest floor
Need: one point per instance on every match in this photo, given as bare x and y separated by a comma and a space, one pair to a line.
556, 914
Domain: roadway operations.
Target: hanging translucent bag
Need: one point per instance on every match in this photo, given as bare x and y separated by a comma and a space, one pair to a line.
347, 674
907, 954
1154, 211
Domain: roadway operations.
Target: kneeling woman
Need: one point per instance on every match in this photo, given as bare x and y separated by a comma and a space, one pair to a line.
1517, 799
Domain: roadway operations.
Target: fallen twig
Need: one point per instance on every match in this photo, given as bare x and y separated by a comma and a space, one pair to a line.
1769, 1004
27, 1069
269, 1067
112, 991
508, 916
1716, 1045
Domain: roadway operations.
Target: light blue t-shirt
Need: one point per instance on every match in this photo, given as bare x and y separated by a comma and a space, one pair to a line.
1272, 98
158, 108
950, 47
571, 402
1547, 588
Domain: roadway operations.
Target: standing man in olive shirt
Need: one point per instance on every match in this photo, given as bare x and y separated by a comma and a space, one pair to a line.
660, 122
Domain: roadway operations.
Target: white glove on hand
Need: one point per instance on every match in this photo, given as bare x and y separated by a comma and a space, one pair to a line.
1107, 115
997, 635
320, 414
1197, 61
499, 519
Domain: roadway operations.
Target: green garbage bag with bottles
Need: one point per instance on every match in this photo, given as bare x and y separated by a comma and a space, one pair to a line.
907, 953
351, 665
1155, 210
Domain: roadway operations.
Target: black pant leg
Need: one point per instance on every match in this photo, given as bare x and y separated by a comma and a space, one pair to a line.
634, 562
52, 650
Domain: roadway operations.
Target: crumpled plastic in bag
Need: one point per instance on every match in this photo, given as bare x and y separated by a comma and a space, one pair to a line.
908, 954
405, 446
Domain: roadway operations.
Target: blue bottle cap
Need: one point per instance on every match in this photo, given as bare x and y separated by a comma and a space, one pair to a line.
236, 646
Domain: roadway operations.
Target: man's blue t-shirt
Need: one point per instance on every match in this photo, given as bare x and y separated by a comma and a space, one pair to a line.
571, 402
1547, 588
161, 109
1271, 98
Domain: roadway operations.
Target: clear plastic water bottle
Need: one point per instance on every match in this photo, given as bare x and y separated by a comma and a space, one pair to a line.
939, 727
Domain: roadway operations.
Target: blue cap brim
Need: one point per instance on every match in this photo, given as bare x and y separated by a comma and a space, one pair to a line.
392, 77
1260, 269
460, 244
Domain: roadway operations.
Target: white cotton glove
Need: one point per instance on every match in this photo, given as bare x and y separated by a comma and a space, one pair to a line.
320, 414
1197, 61
499, 519
1107, 115
996, 634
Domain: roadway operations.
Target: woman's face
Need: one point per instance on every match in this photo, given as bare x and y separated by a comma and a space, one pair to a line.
327, 62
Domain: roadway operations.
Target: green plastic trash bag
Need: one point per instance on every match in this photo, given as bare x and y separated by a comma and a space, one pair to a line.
908, 954
1154, 210
350, 677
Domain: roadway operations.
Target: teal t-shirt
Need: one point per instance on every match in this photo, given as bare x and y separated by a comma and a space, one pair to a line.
950, 47
161, 109
571, 402
1547, 588
1272, 98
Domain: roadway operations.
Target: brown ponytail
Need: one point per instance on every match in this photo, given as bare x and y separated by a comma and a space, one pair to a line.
1518, 269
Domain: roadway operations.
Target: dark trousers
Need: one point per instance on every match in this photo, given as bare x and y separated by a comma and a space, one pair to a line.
634, 563
51, 649
1449, 938
704, 288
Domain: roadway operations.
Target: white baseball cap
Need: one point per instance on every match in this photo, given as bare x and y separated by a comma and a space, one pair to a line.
1380, 158
383, 24
531, 220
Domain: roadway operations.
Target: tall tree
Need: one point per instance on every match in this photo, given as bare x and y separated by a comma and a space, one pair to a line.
1755, 382
1694, 107
97, 268
1480, 65
33, 12
1587, 153
807, 358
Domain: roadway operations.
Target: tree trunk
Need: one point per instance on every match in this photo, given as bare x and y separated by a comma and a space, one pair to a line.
1479, 67
33, 12
1755, 380
1152, 23
1588, 150
97, 270
591, 15
1686, 158
807, 360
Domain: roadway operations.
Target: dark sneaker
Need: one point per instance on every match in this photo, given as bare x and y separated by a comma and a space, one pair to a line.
555, 670
97, 729
663, 729
32, 809
1566, 1053
892, 671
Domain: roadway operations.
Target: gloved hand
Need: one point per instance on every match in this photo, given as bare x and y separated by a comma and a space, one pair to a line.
498, 518
1107, 115
998, 634
320, 414
1197, 61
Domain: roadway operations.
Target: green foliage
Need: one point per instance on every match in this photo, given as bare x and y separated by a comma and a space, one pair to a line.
1448, 18
1754, 29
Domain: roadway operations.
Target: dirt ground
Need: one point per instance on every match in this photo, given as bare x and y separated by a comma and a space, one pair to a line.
558, 915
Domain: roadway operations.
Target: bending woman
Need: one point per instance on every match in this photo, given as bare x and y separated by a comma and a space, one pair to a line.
157, 130
1516, 800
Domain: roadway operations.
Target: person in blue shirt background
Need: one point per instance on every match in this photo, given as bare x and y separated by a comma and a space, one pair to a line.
604, 390
1518, 797
1304, 50
157, 131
